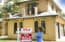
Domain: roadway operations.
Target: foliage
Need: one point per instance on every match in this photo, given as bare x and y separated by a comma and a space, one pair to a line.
11, 8
1, 14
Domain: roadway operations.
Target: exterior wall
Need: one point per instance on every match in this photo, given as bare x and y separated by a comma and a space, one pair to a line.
4, 29
0, 28
61, 34
26, 23
55, 8
42, 5
50, 28
60, 20
29, 22
11, 29
21, 6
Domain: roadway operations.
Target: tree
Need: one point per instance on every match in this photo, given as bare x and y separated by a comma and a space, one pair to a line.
11, 7
1, 14
8, 7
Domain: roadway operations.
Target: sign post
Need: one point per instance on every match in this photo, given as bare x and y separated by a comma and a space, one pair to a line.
18, 35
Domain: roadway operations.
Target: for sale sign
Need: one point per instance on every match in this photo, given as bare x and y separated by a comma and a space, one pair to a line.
26, 35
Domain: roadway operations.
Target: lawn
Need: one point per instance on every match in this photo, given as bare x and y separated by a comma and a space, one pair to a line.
3, 40
7, 40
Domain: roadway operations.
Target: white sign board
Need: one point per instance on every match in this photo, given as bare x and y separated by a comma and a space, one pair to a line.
26, 35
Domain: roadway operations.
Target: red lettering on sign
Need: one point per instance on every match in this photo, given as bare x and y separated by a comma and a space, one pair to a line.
26, 36
26, 29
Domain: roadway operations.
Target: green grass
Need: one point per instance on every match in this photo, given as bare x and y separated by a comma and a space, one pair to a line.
3, 40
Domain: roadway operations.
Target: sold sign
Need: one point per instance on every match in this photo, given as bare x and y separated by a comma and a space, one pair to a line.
26, 30
26, 35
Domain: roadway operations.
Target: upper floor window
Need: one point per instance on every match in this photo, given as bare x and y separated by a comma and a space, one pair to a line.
56, 10
31, 10
52, 6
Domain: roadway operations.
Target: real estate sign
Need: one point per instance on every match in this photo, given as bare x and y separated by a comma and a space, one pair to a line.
26, 35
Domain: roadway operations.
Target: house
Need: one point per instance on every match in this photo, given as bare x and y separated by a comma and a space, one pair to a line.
32, 14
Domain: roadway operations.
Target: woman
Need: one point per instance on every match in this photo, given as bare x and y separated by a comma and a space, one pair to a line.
39, 35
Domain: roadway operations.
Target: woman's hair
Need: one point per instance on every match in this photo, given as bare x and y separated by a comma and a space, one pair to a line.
40, 29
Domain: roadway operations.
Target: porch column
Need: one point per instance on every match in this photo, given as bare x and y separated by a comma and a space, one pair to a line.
54, 10
18, 25
36, 10
30, 12
60, 30
24, 12
49, 8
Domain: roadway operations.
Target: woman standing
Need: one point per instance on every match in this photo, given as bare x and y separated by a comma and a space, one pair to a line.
39, 35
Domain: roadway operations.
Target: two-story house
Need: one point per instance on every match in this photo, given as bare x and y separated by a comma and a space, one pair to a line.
35, 13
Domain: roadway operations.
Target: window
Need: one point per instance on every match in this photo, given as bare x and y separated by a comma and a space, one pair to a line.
31, 9
58, 30
36, 26
21, 25
56, 10
63, 29
52, 7
43, 26
15, 27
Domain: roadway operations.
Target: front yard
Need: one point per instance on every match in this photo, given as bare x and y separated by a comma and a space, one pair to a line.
7, 40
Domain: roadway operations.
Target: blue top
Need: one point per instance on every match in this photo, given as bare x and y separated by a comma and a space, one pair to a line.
39, 36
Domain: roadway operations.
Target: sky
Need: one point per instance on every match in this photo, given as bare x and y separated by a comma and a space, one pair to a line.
61, 4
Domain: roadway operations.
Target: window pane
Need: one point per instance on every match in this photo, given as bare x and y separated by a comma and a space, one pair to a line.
15, 27
43, 26
36, 26
31, 8
21, 25
58, 30
63, 29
